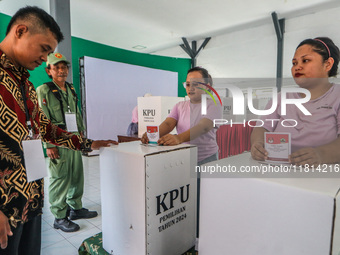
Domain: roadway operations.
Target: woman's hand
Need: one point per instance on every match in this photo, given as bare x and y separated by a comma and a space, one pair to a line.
169, 140
145, 138
309, 156
258, 152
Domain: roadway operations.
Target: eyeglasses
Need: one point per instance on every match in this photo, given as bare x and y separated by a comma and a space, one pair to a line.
193, 84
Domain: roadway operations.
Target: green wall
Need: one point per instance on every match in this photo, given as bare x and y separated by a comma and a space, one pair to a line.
81, 47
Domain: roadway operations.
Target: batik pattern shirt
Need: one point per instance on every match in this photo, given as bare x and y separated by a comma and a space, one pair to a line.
20, 200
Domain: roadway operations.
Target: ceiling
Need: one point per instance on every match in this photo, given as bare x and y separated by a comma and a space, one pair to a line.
160, 24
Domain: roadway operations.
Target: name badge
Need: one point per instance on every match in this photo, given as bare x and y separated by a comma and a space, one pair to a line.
71, 122
34, 160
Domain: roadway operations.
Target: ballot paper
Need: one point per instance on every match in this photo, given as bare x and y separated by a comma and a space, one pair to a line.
152, 133
34, 160
278, 146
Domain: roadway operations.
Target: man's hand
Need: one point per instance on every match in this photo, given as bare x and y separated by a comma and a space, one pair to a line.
169, 140
52, 153
102, 143
258, 152
5, 230
309, 156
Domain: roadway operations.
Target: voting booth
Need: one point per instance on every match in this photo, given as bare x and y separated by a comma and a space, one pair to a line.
152, 111
148, 198
266, 216
228, 110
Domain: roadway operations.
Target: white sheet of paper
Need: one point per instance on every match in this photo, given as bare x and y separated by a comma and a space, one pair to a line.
71, 122
34, 160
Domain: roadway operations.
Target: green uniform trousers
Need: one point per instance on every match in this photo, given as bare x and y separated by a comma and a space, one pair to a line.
66, 182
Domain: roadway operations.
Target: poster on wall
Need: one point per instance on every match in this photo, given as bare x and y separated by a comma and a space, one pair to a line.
111, 90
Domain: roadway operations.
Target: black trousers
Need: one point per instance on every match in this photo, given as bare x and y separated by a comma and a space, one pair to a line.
26, 239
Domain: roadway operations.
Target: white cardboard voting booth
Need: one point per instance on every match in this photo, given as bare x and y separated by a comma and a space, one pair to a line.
228, 111
252, 216
148, 199
152, 111
227, 103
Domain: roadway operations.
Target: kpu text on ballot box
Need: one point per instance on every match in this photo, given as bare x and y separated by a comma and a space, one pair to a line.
148, 199
294, 211
152, 111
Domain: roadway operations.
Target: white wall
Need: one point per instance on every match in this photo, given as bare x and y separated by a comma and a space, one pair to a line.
252, 52
248, 51
9, 7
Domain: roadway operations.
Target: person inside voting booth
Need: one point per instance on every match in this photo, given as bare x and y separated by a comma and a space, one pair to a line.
192, 126
58, 100
315, 138
133, 126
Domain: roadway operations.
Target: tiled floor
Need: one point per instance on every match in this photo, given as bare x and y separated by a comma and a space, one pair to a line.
58, 242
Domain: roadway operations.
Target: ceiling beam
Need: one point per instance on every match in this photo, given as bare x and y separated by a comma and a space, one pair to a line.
258, 22
279, 26
192, 51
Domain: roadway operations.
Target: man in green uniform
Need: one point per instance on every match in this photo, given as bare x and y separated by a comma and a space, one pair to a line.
59, 102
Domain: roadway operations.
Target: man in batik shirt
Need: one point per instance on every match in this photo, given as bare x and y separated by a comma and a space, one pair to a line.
31, 35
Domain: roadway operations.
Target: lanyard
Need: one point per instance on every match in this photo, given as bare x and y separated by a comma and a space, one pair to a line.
62, 95
28, 121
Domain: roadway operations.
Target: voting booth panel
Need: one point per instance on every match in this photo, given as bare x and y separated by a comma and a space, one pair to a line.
252, 216
228, 110
148, 199
109, 93
152, 111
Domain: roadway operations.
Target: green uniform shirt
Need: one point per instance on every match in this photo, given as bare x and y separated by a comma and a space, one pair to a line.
51, 107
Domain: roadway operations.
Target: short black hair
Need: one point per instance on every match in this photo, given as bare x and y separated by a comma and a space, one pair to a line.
39, 18
204, 72
321, 45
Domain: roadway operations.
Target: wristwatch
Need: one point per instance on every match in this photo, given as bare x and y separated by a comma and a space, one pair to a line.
86, 145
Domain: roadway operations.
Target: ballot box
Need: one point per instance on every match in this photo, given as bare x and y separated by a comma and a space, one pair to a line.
152, 111
266, 216
148, 199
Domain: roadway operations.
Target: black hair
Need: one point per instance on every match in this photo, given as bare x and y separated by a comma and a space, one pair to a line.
39, 18
204, 72
319, 47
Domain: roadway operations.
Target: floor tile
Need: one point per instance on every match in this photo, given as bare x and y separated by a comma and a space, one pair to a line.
50, 237
63, 247
58, 242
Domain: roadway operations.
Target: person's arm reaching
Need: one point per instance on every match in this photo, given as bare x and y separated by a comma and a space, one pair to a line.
204, 126
164, 128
